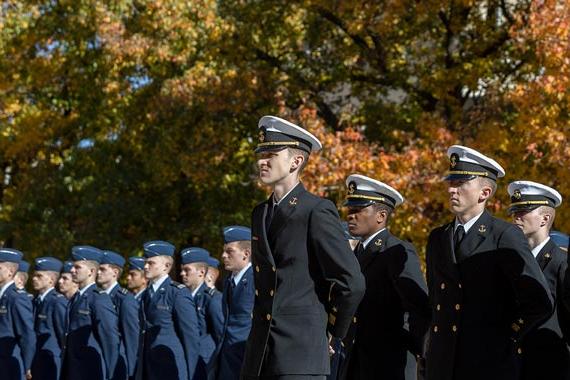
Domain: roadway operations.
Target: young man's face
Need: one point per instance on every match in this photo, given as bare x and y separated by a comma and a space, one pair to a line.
81, 271
464, 195
192, 274
274, 166
155, 267
234, 257
212, 277
106, 275
42, 281
7, 272
362, 221
529, 222
66, 284
136, 279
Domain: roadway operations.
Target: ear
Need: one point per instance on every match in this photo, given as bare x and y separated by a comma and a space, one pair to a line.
246, 253
297, 161
381, 216
485, 193
545, 219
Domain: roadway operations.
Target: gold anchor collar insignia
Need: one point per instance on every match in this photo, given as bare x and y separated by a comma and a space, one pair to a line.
378, 242
293, 201
482, 228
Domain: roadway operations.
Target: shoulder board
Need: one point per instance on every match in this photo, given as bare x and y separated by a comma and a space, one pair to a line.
123, 291
178, 285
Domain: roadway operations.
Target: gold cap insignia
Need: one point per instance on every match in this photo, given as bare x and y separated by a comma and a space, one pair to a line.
517, 194
351, 187
293, 201
261, 136
482, 228
378, 242
453, 160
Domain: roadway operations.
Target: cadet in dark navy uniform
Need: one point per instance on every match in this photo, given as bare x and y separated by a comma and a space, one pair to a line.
127, 308
21, 278
485, 287
168, 315
65, 284
237, 301
394, 315
208, 301
298, 251
17, 336
50, 308
92, 342
136, 281
545, 352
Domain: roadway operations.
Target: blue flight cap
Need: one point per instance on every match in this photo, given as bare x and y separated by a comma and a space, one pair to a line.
24, 266
560, 239
213, 262
67, 267
236, 233
136, 262
113, 258
194, 255
10, 255
86, 252
48, 263
158, 248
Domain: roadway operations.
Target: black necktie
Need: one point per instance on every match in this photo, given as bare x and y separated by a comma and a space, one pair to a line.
359, 250
457, 237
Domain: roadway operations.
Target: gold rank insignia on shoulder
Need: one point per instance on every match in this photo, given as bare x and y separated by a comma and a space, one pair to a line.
482, 228
517, 194
293, 201
261, 136
453, 160
378, 242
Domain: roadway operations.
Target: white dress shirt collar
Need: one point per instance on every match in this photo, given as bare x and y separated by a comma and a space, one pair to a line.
536, 250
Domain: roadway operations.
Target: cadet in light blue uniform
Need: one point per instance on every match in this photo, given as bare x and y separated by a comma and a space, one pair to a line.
208, 303
213, 273
168, 315
93, 340
17, 337
21, 278
237, 303
65, 284
136, 281
127, 309
49, 319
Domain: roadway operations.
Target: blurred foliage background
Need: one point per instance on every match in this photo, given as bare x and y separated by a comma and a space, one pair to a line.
129, 120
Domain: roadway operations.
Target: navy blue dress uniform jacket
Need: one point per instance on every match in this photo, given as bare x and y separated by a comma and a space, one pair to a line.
92, 343
17, 336
483, 304
49, 325
210, 327
237, 305
545, 352
394, 315
295, 262
127, 309
170, 333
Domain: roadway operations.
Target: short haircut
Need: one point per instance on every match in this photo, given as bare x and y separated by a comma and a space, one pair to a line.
24, 275
484, 181
300, 152
244, 244
120, 269
169, 261
53, 275
383, 207
543, 210
92, 264
11, 265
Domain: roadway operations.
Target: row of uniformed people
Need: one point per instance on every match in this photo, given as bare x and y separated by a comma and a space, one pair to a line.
159, 329
494, 306
491, 290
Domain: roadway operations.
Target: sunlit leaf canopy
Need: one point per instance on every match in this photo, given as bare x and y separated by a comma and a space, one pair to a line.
126, 121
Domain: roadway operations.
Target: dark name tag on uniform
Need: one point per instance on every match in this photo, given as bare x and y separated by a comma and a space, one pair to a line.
84, 312
163, 307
